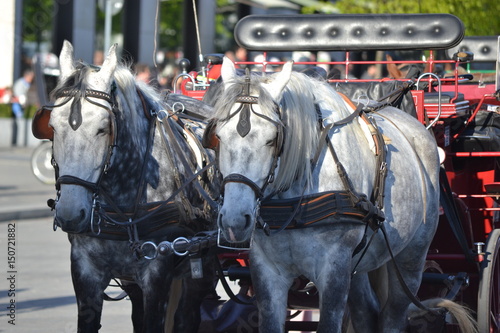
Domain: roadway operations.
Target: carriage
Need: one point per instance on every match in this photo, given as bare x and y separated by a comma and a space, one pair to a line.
461, 111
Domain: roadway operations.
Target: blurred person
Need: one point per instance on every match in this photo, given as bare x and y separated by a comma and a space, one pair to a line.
230, 54
142, 72
19, 99
98, 58
240, 54
371, 73
6, 96
21, 88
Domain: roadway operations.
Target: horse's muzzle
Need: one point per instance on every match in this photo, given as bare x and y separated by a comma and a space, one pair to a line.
74, 225
239, 230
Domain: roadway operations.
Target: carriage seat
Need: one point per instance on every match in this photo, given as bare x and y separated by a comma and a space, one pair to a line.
446, 97
482, 134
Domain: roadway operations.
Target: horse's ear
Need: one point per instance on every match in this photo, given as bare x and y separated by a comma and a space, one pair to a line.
109, 64
280, 81
66, 61
227, 72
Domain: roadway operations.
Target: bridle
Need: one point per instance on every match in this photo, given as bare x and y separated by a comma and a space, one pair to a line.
93, 187
243, 128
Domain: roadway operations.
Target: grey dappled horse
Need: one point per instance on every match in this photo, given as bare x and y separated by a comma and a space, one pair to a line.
272, 144
114, 176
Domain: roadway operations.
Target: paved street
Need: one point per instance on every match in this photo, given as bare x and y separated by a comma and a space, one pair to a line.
34, 260
22, 195
39, 280
44, 296
40, 272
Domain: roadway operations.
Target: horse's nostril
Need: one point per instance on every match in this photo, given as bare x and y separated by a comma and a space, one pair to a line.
248, 221
82, 215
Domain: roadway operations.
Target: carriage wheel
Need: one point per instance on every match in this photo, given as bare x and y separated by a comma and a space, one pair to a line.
488, 305
41, 163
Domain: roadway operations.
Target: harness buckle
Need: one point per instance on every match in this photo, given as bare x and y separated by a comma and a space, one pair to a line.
162, 114
374, 216
383, 168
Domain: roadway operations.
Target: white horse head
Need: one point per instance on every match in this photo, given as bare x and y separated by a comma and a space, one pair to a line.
248, 156
83, 126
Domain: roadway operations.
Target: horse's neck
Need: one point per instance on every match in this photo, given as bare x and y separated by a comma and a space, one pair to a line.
132, 164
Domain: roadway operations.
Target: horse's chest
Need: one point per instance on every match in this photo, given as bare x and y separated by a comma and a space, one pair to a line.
305, 251
94, 256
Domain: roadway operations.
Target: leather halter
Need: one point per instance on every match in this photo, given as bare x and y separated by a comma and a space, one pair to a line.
243, 127
94, 187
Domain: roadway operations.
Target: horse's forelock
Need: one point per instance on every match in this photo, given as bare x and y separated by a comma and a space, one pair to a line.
227, 98
298, 115
76, 83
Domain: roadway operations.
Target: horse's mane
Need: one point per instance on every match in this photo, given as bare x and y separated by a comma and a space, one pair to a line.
305, 101
125, 92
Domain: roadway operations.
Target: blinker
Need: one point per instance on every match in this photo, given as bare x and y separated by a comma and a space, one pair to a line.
209, 139
40, 125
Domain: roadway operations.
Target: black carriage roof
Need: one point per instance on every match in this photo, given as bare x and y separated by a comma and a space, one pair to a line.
484, 47
349, 32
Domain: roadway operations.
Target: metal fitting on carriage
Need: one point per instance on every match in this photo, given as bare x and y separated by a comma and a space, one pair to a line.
479, 251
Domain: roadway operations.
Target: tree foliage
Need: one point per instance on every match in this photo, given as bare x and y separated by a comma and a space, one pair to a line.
37, 19
170, 24
479, 16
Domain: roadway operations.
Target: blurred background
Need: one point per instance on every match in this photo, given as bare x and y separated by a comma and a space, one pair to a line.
152, 36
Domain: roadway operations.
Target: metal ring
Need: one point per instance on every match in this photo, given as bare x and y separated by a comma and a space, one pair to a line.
162, 114
363, 98
155, 250
182, 107
178, 239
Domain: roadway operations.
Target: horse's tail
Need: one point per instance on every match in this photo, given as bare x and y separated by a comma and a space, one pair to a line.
461, 314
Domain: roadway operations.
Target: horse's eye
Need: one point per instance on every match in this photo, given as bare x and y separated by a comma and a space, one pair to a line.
270, 142
103, 131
